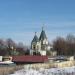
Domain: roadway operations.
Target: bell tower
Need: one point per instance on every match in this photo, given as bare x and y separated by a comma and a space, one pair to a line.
35, 44
43, 39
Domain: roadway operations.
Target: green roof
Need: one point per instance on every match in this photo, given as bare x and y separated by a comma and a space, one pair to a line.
43, 35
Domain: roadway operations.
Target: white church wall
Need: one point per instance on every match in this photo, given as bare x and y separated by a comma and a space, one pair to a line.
43, 53
45, 41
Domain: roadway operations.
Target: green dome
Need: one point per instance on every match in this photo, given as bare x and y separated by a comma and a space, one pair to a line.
43, 35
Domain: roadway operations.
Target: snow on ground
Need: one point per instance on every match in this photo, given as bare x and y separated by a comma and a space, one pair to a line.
42, 71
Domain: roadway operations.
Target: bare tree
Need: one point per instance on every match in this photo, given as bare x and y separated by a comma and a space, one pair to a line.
65, 46
11, 46
3, 50
60, 46
70, 39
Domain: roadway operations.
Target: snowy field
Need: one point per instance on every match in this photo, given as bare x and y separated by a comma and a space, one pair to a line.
42, 71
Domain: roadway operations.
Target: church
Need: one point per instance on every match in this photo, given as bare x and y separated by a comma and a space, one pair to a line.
40, 44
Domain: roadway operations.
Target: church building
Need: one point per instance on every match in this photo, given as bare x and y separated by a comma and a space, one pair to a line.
40, 44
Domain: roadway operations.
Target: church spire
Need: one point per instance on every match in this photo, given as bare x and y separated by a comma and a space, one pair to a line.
42, 35
35, 39
35, 33
43, 27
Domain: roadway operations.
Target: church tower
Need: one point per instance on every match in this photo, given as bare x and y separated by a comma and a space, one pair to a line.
43, 40
35, 44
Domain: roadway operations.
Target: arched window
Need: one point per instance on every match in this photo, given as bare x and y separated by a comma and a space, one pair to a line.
34, 47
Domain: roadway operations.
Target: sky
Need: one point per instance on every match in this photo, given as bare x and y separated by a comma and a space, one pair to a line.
20, 19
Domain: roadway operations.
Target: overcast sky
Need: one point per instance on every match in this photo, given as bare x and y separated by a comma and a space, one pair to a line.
20, 19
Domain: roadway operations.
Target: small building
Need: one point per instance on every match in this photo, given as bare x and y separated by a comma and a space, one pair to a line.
6, 60
29, 59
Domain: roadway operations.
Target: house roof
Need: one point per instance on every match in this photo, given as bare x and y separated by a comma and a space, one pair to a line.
29, 58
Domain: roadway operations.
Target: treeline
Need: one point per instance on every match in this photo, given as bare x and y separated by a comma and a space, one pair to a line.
64, 46
9, 47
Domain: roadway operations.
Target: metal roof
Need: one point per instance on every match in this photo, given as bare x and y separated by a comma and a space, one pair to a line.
35, 39
43, 35
29, 58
